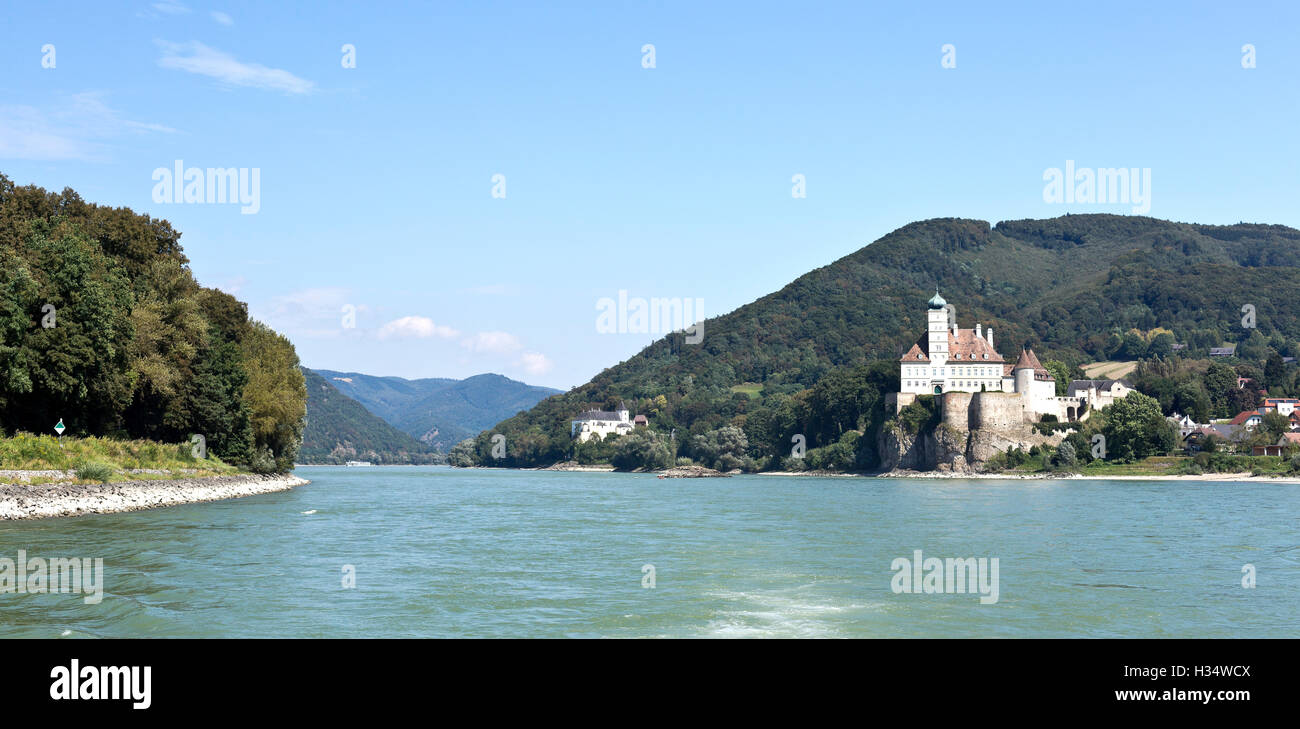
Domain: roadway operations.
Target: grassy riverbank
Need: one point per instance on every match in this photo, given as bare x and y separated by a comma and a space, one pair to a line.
103, 460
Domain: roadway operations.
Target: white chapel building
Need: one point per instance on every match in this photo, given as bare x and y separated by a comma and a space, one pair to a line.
600, 423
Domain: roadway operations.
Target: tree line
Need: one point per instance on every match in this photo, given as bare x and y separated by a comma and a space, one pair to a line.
103, 327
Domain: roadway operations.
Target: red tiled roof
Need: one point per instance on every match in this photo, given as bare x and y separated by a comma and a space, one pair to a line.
1029, 361
1243, 416
1290, 437
965, 347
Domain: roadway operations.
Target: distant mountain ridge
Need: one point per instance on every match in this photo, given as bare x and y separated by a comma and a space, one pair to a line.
339, 429
438, 412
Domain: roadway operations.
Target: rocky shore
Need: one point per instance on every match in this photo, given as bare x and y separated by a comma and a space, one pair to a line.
691, 472
27, 501
575, 466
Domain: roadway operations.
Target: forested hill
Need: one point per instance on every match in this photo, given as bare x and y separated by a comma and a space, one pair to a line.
1076, 288
339, 430
102, 326
439, 412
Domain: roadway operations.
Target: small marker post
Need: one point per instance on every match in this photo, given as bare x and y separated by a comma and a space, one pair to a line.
59, 428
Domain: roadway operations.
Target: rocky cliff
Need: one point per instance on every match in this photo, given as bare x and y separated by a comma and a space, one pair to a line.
952, 449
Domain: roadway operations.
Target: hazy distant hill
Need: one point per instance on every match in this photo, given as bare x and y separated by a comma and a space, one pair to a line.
339, 429
439, 412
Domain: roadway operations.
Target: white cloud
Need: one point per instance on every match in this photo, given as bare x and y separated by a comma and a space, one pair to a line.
195, 57
232, 286
222, 18
170, 7
536, 363
77, 127
417, 327
495, 342
316, 312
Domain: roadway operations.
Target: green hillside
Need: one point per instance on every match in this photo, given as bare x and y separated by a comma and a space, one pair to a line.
103, 327
339, 429
1074, 288
439, 412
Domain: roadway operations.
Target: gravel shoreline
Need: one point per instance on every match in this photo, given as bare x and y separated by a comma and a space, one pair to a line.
25, 501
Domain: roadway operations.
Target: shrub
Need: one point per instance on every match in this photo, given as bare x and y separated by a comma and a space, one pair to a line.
921, 416
790, 463
94, 471
643, 448
262, 461
1066, 456
724, 448
462, 454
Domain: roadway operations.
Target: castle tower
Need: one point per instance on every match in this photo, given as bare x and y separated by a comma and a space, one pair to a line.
938, 330
1024, 373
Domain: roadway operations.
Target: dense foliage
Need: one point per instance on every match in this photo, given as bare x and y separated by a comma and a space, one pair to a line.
1208, 390
102, 326
1078, 288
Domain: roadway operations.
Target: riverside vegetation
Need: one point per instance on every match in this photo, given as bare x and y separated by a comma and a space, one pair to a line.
103, 327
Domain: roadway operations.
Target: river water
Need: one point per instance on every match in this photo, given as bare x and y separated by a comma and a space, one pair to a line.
439, 552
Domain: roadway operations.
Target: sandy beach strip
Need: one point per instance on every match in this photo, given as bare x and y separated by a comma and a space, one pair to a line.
27, 501
959, 475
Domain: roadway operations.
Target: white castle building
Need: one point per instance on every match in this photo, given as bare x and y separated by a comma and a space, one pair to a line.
950, 359
599, 423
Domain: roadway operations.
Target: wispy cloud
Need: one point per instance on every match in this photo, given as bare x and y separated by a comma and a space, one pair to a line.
222, 18
194, 57
314, 312
231, 286
415, 327
77, 127
494, 342
170, 7
536, 363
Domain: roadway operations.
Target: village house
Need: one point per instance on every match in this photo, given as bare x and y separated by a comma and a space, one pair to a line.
1186, 426
1099, 393
1284, 406
1287, 443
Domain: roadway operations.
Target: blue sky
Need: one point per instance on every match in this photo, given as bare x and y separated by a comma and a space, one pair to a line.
670, 182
